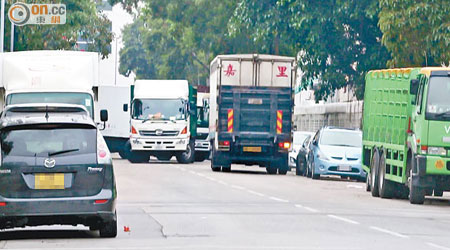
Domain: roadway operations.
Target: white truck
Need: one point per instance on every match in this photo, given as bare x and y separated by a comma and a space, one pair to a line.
163, 121
70, 77
202, 145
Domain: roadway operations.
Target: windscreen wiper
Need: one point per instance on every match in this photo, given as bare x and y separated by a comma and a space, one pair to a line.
146, 120
63, 151
443, 114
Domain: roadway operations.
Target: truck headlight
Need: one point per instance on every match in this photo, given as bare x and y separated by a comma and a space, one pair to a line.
437, 151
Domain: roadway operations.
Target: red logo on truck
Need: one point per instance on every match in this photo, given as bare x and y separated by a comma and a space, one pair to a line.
282, 71
229, 71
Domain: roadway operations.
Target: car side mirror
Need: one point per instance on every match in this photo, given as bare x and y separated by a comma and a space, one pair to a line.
125, 107
103, 115
414, 87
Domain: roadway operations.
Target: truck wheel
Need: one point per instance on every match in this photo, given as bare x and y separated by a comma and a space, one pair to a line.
109, 228
226, 169
385, 187
374, 174
416, 194
271, 170
282, 171
135, 156
123, 154
187, 156
368, 183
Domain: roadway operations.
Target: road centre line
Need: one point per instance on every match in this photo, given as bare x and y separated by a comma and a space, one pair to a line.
343, 219
437, 246
389, 232
255, 193
311, 209
278, 199
237, 187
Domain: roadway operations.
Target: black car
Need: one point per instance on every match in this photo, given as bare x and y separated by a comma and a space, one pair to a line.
301, 167
55, 169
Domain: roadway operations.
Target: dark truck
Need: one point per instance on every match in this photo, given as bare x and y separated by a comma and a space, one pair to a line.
251, 103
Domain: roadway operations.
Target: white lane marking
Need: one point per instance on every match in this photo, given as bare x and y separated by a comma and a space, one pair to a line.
192, 172
298, 205
343, 219
199, 174
278, 199
223, 183
208, 247
255, 193
237, 187
311, 209
389, 232
437, 246
210, 178
355, 186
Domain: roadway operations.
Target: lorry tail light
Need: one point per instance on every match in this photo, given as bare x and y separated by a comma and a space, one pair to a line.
230, 120
2, 204
279, 121
133, 130
184, 131
423, 149
224, 145
284, 145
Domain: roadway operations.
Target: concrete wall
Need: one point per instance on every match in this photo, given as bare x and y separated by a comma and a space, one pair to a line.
313, 117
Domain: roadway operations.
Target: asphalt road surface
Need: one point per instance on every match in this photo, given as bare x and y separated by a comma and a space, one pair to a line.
175, 206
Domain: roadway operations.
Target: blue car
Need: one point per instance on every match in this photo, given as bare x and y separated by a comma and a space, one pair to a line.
336, 151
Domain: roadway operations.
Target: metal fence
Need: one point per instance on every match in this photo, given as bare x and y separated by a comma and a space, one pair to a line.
313, 117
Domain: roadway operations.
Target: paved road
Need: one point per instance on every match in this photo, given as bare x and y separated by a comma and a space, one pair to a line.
173, 206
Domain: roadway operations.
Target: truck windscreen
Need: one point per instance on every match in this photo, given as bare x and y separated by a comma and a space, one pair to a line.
438, 103
158, 109
84, 99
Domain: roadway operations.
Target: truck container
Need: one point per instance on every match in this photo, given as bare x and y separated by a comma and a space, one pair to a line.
202, 145
251, 103
163, 121
68, 77
406, 132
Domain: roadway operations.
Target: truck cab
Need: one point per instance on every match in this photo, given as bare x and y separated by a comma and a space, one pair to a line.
163, 121
202, 145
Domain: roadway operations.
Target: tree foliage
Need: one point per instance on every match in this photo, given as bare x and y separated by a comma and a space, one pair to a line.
82, 21
416, 32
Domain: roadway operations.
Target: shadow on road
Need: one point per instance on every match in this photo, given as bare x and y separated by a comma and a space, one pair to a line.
46, 234
253, 172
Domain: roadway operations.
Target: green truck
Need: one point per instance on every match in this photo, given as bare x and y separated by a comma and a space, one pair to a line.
406, 132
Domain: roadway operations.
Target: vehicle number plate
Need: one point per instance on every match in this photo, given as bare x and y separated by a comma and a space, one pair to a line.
158, 146
345, 168
252, 149
49, 181
257, 101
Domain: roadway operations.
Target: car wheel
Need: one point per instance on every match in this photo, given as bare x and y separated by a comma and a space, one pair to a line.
298, 171
314, 176
308, 170
109, 228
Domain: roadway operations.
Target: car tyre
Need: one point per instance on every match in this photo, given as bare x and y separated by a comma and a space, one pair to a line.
109, 228
314, 176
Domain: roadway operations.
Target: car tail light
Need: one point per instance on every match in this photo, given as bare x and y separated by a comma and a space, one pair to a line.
2, 204
423, 149
184, 131
133, 131
100, 201
103, 154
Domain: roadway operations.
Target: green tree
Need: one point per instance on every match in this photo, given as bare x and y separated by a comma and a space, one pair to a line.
416, 32
82, 21
337, 41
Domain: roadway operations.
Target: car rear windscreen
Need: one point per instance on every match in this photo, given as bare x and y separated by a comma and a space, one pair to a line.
48, 141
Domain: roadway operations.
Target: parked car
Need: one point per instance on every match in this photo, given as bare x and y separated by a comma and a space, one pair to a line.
297, 142
336, 151
55, 169
301, 166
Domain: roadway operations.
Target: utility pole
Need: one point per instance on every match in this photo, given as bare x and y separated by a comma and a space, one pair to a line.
12, 37
2, 24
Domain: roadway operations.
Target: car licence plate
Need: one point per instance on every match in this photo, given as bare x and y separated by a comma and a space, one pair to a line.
252, 149
49, 181
345, 168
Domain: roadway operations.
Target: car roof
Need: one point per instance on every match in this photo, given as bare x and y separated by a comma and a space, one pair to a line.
33, 114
